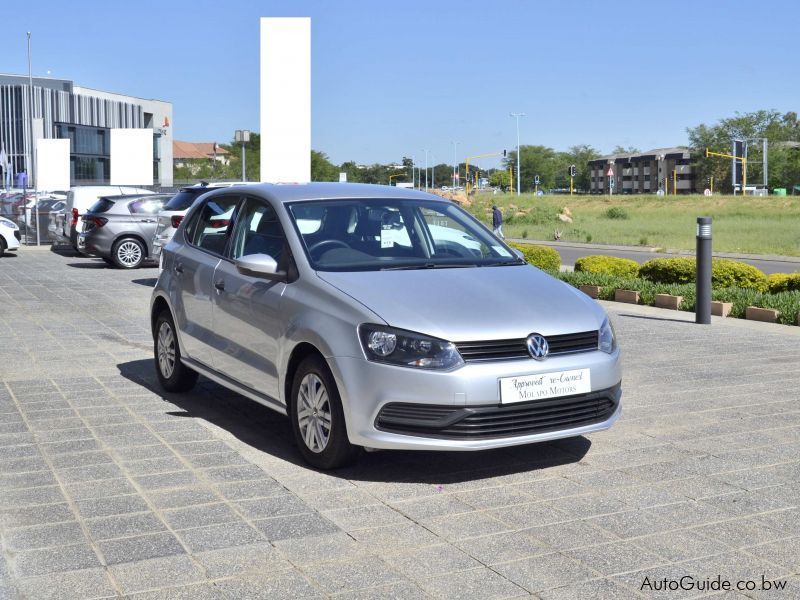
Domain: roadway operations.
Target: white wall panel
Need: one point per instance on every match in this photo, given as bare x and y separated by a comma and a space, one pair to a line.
131, 157
286, 99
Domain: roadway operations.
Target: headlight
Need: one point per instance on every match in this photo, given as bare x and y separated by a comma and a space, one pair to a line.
407, 349
7, 223
607, 338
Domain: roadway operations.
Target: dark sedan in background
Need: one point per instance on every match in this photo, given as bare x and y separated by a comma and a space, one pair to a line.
119, 229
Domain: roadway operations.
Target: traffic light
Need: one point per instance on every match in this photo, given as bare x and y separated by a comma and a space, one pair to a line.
504, 153
572, 171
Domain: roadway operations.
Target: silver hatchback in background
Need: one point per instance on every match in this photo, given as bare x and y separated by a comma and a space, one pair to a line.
119, 229
378, 317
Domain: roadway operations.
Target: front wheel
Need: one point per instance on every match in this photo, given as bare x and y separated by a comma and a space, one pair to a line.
317, 417
173, 375
128, 253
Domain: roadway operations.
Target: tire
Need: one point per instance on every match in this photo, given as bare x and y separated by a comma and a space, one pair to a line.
173, 375
2, 246
128, 253
315, 401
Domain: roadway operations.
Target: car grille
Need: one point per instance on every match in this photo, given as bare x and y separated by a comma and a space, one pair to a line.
18, 235
513, 420
585, 341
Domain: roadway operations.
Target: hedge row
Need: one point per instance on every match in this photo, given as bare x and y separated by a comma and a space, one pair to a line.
787, 302
725, 273
543, 257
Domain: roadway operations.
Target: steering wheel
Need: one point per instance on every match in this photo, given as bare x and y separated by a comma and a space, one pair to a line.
321, 244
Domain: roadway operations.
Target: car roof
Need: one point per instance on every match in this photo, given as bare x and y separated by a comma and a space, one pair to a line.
332, 191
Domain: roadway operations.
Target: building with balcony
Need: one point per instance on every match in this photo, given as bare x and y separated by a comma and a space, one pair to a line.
85, 116
667, 169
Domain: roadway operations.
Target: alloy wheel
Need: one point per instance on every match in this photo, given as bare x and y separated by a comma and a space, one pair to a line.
166, 350
314, 413
129, 253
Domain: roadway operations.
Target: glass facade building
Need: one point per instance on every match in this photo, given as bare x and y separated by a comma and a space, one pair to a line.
85, 117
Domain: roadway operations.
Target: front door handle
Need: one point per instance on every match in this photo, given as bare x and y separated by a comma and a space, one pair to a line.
220, 285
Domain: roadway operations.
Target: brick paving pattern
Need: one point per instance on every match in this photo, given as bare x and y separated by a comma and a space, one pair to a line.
110, 488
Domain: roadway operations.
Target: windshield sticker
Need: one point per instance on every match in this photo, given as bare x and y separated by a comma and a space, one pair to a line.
388, 236
501, 251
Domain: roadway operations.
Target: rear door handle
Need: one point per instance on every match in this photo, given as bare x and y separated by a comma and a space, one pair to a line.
220, 285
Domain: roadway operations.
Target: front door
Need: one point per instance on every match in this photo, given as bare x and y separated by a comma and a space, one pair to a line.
247, 310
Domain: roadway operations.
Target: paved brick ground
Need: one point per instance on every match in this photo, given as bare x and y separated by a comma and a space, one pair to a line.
110, 488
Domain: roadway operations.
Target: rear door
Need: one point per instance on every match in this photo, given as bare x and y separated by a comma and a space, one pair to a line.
194, 264
144, 215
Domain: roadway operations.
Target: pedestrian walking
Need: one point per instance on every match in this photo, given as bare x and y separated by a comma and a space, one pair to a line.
497, 222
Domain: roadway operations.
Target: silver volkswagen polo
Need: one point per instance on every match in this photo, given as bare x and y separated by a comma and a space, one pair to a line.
378, 317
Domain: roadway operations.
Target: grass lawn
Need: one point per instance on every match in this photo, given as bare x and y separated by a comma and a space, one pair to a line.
769, 225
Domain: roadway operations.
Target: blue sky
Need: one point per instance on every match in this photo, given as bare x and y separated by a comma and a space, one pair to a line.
392, 79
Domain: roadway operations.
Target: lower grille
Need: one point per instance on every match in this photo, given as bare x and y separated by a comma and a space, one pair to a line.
512, 420
18, 235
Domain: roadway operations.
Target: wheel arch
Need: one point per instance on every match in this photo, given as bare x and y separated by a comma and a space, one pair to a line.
129, 235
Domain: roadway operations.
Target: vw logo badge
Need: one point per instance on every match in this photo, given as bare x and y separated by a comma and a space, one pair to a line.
537, 346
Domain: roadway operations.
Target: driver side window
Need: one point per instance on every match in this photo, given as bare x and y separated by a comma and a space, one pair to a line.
258, 231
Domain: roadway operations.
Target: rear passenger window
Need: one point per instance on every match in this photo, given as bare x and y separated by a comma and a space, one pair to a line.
147, 206
210, 232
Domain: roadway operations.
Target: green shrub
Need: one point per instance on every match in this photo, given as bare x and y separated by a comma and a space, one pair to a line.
543, 257
783, 282
724, 273
610, 265
616, 213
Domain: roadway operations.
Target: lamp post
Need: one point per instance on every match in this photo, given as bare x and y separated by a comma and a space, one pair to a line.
455, 164
426, 170
242, 136
30, 178
519, 186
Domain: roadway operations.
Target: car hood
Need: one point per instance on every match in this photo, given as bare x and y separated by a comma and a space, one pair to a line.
465, 304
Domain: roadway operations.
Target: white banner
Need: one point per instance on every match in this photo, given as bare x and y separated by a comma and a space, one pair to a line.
131, 157
286, 100
52, 165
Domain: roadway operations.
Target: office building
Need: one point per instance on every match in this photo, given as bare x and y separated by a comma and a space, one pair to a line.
667, 169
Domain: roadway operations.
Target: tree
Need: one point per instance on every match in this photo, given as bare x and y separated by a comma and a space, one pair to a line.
534, 160
784, 160
322, 169
623, 150
499, 179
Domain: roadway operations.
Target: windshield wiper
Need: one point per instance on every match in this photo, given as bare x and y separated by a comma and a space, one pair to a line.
428, 266
506, 263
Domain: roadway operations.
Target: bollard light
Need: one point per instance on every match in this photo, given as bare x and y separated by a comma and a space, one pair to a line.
703, 272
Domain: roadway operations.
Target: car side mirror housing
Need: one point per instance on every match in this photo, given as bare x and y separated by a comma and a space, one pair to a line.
260, 265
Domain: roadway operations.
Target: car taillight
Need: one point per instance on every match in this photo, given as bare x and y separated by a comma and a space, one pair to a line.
74, 216
176, 220
98, 221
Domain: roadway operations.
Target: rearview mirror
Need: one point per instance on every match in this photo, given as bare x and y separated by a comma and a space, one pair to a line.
259, 265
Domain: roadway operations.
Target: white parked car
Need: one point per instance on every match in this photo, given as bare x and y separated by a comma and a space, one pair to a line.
9, 235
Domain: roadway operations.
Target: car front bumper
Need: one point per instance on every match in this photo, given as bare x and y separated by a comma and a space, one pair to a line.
402, 408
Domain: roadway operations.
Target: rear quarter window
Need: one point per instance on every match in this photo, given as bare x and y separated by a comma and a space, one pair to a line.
101, 206
182, 200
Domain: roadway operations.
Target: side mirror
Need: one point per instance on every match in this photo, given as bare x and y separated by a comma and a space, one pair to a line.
259, 265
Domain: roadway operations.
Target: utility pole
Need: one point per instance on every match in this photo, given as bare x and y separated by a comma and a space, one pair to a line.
426, 170
30, 178
455, 163
519, 183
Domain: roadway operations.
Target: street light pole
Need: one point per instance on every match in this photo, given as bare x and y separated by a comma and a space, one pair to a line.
519, 185
242, 136
455, 163
426, 170
33, 153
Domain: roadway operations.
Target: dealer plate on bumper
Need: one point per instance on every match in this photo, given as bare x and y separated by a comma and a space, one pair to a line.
525, 388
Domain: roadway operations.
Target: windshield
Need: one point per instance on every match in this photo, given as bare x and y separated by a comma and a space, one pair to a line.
372, 235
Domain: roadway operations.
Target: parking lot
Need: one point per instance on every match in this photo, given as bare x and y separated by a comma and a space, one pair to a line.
109, 487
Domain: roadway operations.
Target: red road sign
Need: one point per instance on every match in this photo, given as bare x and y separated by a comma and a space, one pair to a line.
610, 172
